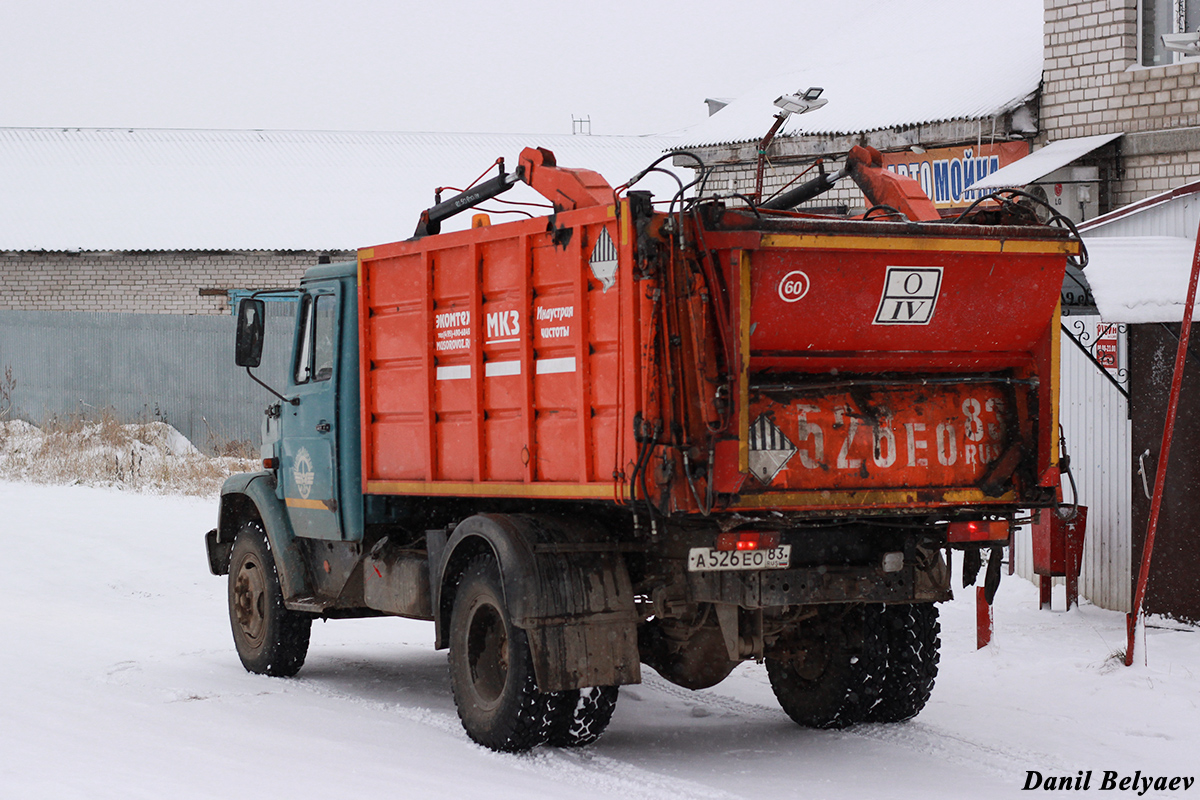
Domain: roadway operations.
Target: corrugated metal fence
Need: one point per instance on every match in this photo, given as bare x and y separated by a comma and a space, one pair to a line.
142, 367
1096, 422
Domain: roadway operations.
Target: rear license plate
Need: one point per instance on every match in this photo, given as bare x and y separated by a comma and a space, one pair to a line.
706, 559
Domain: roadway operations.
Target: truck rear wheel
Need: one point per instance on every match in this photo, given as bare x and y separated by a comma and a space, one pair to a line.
491, 670
912, 661
581, 715
270, 639
837, 677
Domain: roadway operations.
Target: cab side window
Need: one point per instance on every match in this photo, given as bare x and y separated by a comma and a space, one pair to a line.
323, 337
314, 359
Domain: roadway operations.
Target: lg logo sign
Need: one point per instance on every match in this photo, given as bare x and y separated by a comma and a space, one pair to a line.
793, 286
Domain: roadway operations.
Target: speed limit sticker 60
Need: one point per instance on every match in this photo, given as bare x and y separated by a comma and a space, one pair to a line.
793, 286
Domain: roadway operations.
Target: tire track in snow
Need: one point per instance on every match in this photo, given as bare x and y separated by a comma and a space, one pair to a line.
913, 736
575, 767
357, 671
724, 703
603, 773
925, 739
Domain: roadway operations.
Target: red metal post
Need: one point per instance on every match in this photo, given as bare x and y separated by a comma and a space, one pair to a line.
762, 155
1160, 474
983, 619
1076, 530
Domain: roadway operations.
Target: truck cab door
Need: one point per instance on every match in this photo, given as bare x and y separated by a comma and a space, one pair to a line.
308, 431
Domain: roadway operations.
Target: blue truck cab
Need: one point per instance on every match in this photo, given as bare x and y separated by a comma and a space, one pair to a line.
310, 490
318, 438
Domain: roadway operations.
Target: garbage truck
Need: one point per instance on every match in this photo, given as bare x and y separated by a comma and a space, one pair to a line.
678, 435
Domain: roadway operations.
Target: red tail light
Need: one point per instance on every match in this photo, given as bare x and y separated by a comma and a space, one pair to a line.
992, 530
748, 540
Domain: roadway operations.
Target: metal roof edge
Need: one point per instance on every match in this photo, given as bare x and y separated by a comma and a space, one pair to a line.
1054, 155
1139, 206
816, 134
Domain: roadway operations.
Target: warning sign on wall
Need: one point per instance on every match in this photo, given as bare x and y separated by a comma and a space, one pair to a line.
1106, 344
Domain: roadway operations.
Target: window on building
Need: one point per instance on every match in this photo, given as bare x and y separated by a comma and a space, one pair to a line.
1157, 17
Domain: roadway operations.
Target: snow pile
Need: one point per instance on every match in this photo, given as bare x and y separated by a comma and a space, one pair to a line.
148, 457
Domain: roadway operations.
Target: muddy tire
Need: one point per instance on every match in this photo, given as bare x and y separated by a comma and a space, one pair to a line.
580, 716
913, 643
270, 639
840, 675
491, 670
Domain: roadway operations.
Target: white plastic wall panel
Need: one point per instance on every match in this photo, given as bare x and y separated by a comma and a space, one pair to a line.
1174, 216
1096, 422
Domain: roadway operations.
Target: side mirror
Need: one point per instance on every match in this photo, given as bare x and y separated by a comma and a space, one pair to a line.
251, 326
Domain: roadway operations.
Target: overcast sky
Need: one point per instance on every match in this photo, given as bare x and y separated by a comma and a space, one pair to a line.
633, 66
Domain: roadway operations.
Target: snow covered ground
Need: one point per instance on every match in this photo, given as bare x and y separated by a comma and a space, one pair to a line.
118, 679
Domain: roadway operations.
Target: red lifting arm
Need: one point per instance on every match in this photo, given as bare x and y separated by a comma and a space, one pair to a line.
567, 189
885, 188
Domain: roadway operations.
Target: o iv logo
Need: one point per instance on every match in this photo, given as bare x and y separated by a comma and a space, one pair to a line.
793, 286
910, 295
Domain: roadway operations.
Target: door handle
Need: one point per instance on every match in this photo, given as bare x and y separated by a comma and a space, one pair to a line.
1142, 472
323, 427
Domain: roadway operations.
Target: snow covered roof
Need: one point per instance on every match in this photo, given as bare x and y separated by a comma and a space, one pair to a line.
1042, 162
1139, 279
938, 64
1140, 256
117, 189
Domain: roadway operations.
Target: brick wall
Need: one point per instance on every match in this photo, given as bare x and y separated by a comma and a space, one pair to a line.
1089, 46
1152, 174
143, 282
1093, 84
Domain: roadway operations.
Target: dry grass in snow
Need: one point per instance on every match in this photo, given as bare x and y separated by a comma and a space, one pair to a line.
149, 457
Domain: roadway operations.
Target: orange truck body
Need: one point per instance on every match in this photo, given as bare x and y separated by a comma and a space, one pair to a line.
685, 437
786, 362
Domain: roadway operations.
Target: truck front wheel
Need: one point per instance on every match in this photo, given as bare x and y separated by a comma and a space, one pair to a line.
491, 670
270, 639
